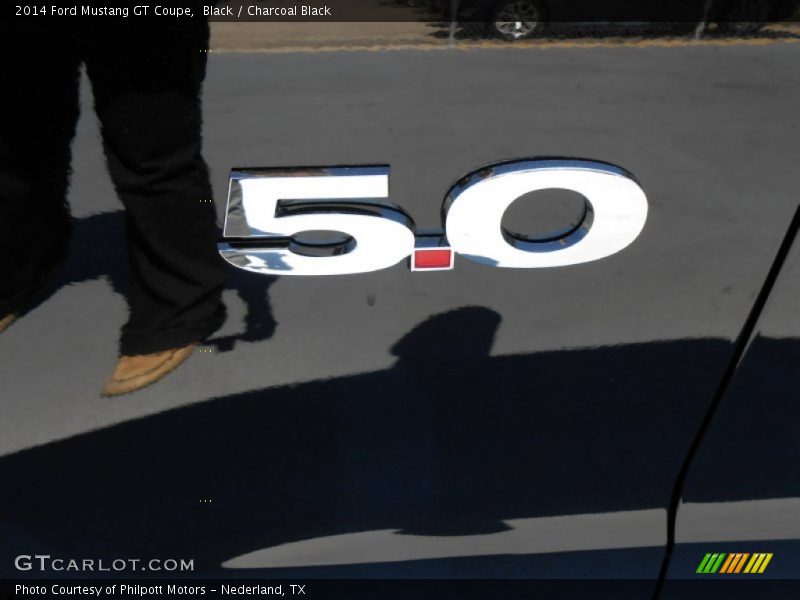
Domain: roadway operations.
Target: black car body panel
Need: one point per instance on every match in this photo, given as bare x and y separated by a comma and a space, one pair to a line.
475, 423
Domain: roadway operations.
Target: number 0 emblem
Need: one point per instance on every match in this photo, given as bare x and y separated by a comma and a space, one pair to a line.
275, 219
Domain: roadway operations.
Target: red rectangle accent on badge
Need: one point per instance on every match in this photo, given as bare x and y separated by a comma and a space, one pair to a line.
432, 259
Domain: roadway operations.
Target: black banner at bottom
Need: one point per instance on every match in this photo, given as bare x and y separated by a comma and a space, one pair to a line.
319, 589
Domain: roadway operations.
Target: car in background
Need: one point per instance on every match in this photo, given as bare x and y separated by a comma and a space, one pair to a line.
523, 19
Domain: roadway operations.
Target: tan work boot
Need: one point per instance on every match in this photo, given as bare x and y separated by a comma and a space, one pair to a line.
6, 321
135, 372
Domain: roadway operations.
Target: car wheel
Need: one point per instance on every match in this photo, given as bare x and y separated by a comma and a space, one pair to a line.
517, 19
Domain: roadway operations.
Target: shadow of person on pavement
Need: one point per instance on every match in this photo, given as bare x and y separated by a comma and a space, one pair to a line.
449, 441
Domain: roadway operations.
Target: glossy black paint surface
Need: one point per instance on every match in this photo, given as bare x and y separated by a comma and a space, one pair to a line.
442, 405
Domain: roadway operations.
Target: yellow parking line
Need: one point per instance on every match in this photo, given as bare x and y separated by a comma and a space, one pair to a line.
533, 45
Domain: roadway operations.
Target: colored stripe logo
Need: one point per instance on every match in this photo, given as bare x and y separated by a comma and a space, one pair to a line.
734, 562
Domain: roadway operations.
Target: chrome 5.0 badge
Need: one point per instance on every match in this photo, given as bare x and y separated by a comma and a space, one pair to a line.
339, 220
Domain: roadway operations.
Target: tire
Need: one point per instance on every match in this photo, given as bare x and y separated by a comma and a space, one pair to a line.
514, 20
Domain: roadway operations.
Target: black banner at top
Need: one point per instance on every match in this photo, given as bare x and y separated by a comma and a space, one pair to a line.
567, 11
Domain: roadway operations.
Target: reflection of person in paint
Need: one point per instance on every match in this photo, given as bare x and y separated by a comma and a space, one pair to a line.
146, 80
450, 351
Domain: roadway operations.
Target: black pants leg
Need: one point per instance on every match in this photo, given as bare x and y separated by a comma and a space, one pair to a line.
38, 112
147, 84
